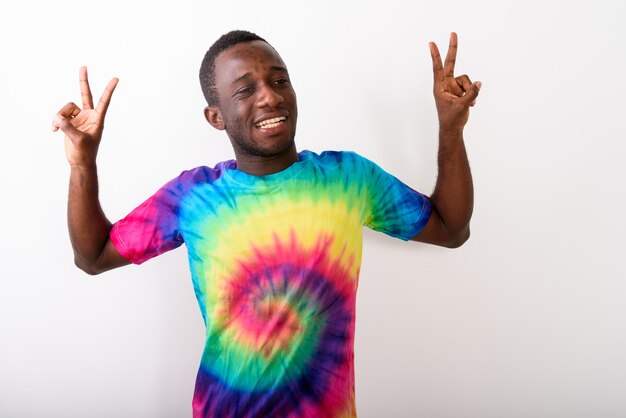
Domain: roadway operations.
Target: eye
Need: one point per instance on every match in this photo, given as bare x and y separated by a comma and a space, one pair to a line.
282, 81
245, 91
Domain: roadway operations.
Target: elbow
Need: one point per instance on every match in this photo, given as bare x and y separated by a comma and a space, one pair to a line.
89, 268
456, 240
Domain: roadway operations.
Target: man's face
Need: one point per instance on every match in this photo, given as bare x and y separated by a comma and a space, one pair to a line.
257, 104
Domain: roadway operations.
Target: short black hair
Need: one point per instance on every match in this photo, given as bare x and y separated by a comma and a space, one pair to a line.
207, 69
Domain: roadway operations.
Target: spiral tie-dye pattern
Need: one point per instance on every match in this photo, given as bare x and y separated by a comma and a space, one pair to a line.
275, 263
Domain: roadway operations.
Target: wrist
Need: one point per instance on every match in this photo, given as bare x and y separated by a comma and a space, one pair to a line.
450, 133
84, 166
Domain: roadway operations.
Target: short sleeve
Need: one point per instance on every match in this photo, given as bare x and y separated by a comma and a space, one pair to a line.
150, 229
392, 207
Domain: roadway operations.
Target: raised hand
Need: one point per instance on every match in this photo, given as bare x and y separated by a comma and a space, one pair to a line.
83, 127
453, 95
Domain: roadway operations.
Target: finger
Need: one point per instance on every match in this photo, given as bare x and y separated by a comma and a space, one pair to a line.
455, 86
68, 111
85, 91
437, 65
464, 82
105, 99
448, 66
66, 126
469, 99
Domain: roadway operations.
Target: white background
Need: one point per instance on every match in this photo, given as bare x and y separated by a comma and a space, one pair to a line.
528, 319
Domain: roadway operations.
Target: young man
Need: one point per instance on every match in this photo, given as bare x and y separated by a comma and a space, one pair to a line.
274, 236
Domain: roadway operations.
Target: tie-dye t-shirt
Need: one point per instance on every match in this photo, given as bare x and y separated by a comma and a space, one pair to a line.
275, 263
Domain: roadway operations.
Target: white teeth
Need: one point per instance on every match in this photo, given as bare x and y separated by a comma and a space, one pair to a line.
271, 123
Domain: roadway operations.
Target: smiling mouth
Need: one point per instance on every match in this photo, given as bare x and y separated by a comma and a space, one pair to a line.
271, 123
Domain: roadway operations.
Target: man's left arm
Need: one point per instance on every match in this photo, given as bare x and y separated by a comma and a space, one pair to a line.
453, 197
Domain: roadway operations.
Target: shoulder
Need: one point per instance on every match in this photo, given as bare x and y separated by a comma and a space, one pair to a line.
336, 158
202, 175
345, 167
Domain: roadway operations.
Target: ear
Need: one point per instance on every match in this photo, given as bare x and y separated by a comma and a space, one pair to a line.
213, 115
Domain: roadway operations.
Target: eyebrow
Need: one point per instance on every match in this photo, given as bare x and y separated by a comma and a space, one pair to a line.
248, 74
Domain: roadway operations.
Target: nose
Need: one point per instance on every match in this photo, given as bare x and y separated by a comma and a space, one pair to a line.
269, 97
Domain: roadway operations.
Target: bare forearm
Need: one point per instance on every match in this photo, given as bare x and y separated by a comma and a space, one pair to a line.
88, 227
453, 196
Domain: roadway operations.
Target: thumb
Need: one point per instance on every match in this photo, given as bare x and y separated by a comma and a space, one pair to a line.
471, 94
66, 126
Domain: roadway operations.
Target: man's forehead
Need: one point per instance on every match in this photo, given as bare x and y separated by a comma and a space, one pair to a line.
245, 56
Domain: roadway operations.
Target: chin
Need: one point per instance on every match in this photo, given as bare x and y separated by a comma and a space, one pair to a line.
277, 150
256, 150
256, 144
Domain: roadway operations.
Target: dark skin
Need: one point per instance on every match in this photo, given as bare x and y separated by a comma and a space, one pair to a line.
253, 86
453, 197
88, 226
258, 110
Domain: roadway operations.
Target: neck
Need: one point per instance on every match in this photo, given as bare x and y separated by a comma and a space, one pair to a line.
261, 166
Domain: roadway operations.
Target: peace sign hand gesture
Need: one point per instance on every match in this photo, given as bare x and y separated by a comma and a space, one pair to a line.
453, 95
83, 127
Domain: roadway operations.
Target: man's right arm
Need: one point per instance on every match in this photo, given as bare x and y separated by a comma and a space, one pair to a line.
88, 226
